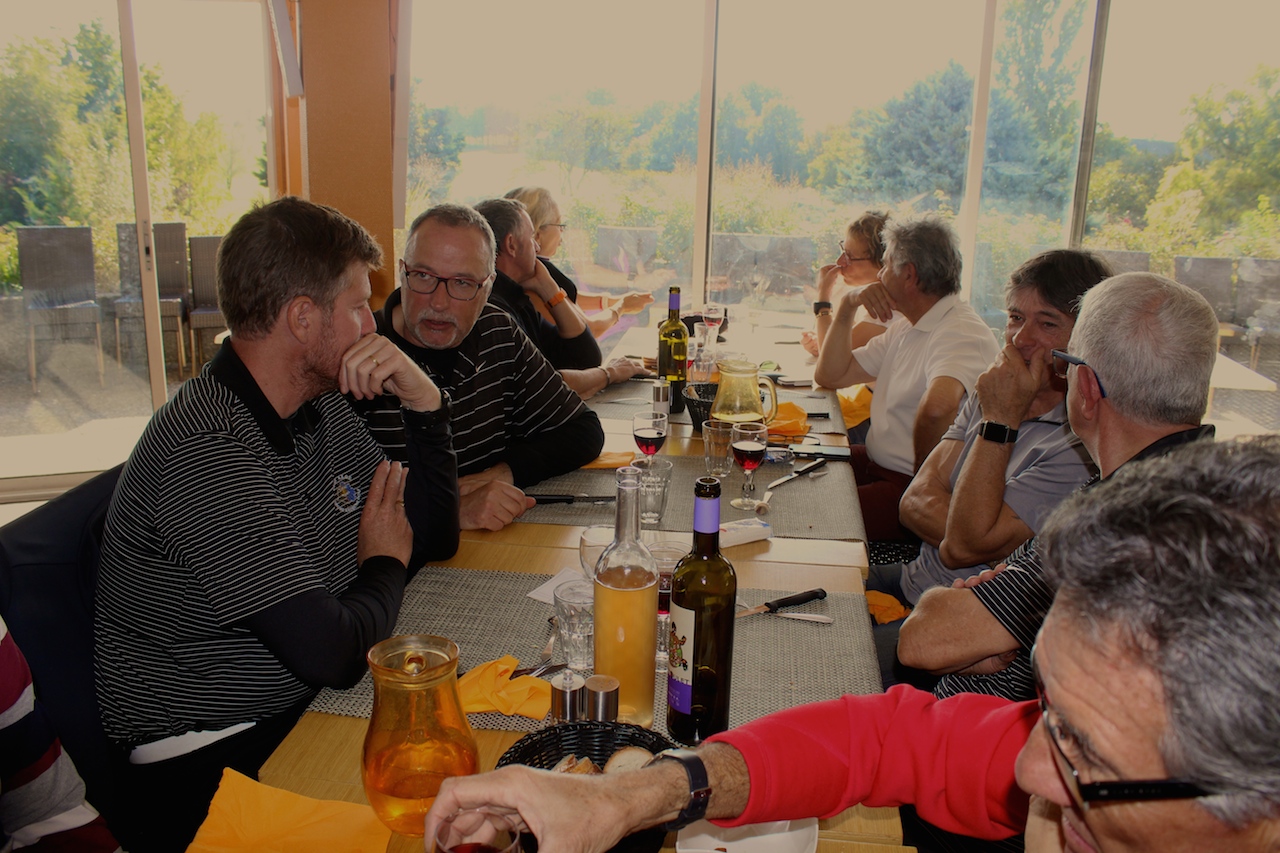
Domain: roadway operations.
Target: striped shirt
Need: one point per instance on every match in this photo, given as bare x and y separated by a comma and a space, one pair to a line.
41, 794
223, 510
1019, 598
508, 404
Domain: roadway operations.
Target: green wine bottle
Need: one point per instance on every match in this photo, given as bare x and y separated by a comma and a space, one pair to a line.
673, 351
704, 591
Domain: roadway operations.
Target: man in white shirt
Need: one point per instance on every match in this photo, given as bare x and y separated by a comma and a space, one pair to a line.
923, 366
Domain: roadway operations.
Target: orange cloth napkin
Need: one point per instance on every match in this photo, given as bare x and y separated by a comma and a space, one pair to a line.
790, 420
856, 408
884, 608
489, 687
247, 815
612, 459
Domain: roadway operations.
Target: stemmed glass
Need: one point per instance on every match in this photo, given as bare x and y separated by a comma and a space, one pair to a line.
750, 440
713, 316
650, 431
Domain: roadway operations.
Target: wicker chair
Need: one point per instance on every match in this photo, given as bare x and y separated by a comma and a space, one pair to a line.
55, 266
172, 277
205, 314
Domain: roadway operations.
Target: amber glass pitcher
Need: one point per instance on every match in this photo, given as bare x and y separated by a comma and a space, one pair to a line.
738, 397
418, 734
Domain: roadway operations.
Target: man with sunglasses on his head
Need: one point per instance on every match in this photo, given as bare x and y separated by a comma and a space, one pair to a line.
1155, 731
515, 421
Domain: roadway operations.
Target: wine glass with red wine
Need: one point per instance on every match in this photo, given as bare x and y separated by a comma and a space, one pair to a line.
650, 431
749, 441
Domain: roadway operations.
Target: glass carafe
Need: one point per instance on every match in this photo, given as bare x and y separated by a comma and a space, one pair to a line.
418, 734
738, 397
626, 608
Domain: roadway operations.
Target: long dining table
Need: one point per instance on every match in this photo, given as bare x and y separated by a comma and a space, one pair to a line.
321, 756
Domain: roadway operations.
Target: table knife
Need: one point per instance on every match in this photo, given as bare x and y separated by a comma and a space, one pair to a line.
803, 469
785, 601
572, 499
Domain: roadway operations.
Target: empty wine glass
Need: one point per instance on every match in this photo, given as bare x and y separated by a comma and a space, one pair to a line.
750, 440
650, 431
591, 545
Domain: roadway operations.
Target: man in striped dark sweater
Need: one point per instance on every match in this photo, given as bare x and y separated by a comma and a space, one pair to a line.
257, 544
515, 421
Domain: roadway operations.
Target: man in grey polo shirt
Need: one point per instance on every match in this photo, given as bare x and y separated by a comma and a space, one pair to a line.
1010, 456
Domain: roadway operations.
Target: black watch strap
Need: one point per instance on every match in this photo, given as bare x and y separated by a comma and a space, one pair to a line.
699, 786
427, 420
998, 433
818, 307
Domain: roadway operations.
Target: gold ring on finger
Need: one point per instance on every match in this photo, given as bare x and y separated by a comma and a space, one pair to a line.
375, 362
400, 504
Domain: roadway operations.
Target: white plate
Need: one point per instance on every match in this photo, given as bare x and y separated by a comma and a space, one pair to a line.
796, 836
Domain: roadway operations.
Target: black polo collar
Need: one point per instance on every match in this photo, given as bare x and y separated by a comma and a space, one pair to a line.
230, 371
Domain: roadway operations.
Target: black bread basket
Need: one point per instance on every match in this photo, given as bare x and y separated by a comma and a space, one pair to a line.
597, 741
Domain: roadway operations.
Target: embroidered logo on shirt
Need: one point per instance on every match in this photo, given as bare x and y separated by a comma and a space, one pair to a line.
346, 497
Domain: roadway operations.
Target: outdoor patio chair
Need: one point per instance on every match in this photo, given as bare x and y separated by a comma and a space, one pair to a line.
205, 314
55, 266
172, 275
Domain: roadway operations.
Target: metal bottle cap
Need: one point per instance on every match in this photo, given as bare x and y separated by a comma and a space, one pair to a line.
568, 697
602, 698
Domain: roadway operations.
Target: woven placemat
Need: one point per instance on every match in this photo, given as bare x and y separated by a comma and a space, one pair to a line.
824, 507
622, 401
777, 663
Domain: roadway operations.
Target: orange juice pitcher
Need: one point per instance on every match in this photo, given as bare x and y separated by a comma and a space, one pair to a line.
418, 734
738, 397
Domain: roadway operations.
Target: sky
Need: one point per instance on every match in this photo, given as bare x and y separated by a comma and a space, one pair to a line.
826, 57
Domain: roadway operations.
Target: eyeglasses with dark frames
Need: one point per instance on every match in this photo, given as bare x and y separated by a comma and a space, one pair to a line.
850, 257
1085, 793
424, 282
1063, 360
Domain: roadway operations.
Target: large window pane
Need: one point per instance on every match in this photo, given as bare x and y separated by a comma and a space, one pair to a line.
69, 267
596, 102
64, 185
1039, 77
204, 103
824, 111
1186, 179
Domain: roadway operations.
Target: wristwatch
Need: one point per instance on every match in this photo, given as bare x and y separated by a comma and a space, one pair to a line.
998, 433
699, 786
819, 307
426, 420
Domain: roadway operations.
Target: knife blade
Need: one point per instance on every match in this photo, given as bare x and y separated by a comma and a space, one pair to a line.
803, 469
572, 499
785, 601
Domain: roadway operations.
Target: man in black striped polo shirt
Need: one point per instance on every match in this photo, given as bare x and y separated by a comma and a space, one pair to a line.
257, 544
515, 421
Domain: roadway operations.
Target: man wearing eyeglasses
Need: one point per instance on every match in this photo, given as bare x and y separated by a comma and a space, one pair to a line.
1155, 732
515, 422
1137, 373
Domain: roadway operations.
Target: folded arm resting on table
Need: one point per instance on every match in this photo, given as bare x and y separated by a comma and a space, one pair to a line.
953, 759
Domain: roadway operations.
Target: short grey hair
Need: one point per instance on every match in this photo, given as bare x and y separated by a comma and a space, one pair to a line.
1152, 343
932, 247
539, 204
503, 215
456, 216
1178, 558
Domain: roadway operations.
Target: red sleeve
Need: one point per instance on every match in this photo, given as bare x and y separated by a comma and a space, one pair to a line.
953, 759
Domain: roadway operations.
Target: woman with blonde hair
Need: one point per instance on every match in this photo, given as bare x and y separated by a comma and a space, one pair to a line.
603, 310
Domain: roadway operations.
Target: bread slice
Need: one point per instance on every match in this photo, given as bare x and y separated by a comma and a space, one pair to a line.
628, 758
